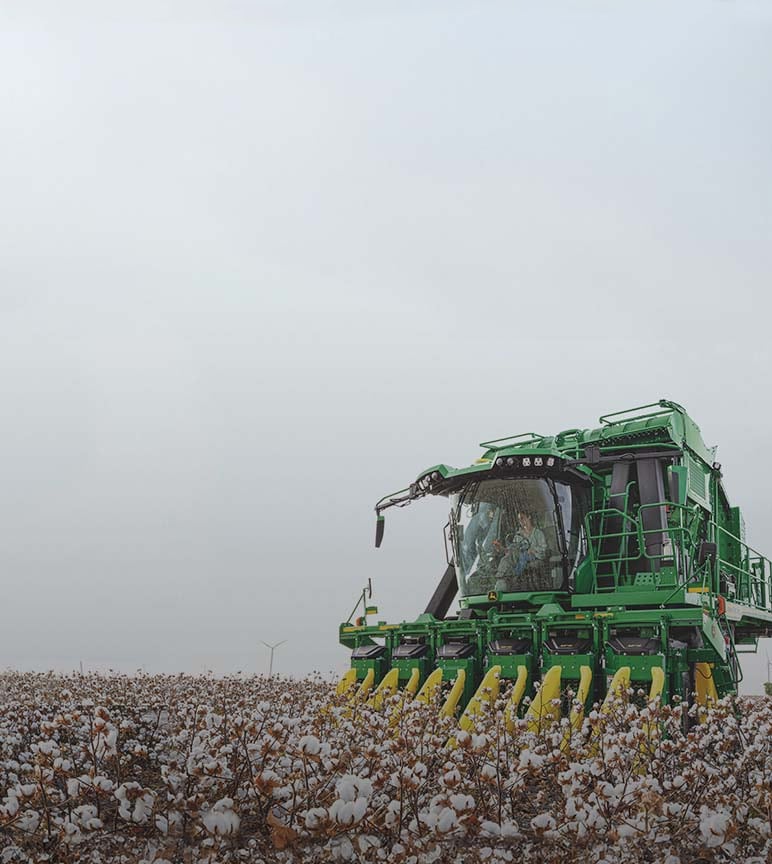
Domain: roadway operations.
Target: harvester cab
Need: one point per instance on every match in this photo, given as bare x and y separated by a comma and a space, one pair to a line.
592, 558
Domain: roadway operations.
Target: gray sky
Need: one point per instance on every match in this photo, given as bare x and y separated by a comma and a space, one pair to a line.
260, 263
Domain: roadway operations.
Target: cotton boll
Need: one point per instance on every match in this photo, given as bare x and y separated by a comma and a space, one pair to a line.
309, 745
447, 820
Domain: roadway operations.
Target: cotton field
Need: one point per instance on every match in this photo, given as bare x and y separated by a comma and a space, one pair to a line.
201, 769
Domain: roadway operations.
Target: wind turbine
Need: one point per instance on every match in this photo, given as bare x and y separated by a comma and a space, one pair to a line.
272, 649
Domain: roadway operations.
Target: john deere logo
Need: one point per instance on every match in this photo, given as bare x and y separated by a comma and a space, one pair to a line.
492, 595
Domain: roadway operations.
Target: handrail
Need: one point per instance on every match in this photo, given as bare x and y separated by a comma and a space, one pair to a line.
665, 406
752, 576
679, 535
531, 436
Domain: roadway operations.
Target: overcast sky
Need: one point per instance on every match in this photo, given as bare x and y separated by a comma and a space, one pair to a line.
262, 262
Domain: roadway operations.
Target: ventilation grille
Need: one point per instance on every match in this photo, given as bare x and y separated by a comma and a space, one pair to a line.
696, 478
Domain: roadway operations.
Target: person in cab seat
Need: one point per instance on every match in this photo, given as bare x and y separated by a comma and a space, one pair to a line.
523, 566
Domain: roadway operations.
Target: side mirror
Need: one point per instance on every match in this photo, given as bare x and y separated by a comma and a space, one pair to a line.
379, 527
706, 550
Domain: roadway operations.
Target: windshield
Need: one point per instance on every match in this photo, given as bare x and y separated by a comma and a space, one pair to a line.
514, 535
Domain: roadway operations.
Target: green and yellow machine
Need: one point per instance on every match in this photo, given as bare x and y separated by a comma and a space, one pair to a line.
580, 559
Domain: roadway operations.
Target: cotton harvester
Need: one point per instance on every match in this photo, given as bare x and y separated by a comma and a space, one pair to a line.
591, 560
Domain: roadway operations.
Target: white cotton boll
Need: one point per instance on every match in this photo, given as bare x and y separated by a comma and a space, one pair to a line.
11, 805
544, 821
232, 822
72, 835
87, 817
346, 788
364, 787
479, 742
309, 745
488, 772
490, 828
461, 802
341, 849
713, 827
315, 817
221, 819
367, 842
142, 808
360, 808
529, 759
446, 820
28, 821
342, 812
214, 822
509, 829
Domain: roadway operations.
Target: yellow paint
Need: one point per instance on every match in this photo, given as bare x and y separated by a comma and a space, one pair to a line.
387, 687
431, 687
698, 589
541, 711
619, 683
346, 682
518, 691
449, 708
655, 692
657, 683
488, 691
365, 687
576, 717
707, 696
412, 685
577, 712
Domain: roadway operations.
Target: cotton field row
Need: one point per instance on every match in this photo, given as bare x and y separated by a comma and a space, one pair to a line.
162, 768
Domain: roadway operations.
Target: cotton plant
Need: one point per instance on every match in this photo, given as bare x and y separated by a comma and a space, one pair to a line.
99, 768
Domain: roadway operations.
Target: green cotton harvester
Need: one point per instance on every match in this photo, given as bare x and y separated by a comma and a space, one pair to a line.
594, 560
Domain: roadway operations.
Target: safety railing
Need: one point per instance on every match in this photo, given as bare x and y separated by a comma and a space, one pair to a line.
750, 581
616, 555
613, 552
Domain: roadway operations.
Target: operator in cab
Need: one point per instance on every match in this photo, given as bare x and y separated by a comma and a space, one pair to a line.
522, 567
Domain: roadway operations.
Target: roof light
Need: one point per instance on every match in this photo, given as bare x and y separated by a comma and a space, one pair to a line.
526, 461
550, 461
436, 475
510, 461
500, 462
538, 461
